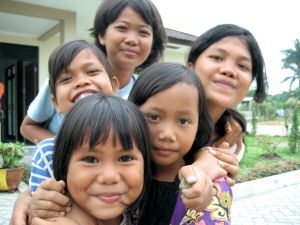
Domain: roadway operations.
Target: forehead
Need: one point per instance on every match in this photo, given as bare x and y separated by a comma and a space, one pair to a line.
180, 96
130, 14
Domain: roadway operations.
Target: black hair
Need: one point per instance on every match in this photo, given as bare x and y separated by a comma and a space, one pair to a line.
63, 55
91, 119
109, 11
230, 30
161, 76
226, 116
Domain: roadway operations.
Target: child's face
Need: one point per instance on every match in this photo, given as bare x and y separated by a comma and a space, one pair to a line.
106, 179
225, 69
128, 40
172, 116
85, 75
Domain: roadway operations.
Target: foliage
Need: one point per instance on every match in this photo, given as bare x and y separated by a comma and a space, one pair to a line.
26, 174
294, 136
254, 119
11, 153
292, 62
269, 143
269, 170
253, 164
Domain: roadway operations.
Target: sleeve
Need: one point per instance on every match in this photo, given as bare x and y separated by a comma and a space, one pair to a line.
41, 108
41, 165
218, 212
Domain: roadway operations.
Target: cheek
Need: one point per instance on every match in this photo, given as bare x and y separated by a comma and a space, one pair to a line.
135, 179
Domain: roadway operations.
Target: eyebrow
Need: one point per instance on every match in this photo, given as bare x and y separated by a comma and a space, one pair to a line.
140, 25
224, 51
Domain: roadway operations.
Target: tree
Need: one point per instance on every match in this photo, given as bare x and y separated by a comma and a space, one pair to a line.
294, 137
292, 62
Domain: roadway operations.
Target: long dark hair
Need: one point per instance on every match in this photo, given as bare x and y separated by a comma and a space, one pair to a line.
226, 30
161, 76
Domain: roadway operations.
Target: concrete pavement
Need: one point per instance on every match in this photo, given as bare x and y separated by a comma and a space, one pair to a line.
273, 200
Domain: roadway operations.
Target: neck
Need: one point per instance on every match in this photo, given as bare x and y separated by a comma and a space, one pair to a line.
215, 113
123, 73
82, 217
168, 173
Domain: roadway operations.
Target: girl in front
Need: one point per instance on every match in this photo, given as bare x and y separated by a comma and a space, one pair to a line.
102, 153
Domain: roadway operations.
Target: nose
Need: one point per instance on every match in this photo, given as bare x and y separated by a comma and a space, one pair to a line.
82, 81
131, 38
166, 132
228, 69
108, 174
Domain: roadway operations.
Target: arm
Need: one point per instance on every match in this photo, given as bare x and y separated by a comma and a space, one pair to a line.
34, 131
200, 175
20, 210
40, 113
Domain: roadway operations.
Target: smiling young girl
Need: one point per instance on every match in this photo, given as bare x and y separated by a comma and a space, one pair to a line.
172, 100
227, 58
104, 159
77, 69
132, 36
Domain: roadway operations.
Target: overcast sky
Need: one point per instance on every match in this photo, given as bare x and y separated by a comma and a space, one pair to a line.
275, 24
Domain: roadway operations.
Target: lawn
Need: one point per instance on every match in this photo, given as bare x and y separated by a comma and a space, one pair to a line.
267, 156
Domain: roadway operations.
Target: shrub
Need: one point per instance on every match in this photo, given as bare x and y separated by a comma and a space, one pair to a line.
269, 170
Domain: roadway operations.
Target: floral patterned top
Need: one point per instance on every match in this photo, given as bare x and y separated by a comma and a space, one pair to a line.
218, 212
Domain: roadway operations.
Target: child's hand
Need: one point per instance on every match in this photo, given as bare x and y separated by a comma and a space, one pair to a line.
197, 189
227, 160
49, 200
233, 133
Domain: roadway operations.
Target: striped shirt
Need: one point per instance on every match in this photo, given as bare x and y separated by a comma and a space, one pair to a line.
42, 164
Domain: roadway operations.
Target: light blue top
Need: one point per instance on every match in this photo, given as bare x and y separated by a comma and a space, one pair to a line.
42, 109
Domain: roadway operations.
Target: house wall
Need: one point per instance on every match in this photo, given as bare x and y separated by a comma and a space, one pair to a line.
171, 55
45, 49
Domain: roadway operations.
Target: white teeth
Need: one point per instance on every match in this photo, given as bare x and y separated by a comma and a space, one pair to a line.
83, 95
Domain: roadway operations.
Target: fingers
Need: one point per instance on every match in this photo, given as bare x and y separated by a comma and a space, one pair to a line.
223, 154
239, 144
227, 160
187, 173
49, 201
229, 181
199, 195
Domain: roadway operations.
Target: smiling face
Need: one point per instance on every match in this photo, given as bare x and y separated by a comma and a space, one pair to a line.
85, 75
172, 117
128, 41
225, 69
105, 179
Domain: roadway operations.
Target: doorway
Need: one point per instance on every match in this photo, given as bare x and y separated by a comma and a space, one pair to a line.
19, 74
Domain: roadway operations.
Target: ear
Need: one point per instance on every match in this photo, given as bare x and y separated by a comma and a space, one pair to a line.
53, 99
101, 39
191, 65
115, 85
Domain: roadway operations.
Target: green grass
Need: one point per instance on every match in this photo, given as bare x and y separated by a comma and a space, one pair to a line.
267, 156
